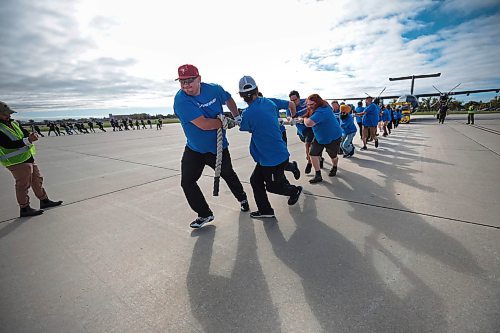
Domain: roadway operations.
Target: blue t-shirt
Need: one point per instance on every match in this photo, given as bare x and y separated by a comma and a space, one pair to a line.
359, 109
386, 116
336, 113
301, 111
209, 104
326, 128
347, 125
281, 104
266, 145
370, 118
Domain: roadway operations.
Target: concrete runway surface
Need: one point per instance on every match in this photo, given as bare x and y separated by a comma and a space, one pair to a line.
404, 239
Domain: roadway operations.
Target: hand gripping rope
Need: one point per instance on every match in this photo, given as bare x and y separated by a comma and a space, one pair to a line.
218, 159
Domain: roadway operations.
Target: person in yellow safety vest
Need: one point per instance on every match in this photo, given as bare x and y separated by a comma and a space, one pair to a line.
470, 115
16, 154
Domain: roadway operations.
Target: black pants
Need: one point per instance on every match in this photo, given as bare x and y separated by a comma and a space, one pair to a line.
470, 118
192, 165
289, 167
442, 116
360, 125
271, 179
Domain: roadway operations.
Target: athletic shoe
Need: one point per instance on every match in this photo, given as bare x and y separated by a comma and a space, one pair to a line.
376, 143
258, 215
294, 198
245, 207
316, 179
295, 171
201, 221
352, 152
364, 148
321, 162
308, 168
333, 172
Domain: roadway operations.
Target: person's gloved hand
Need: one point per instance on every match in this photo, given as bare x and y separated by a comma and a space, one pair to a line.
227, 123
237, 120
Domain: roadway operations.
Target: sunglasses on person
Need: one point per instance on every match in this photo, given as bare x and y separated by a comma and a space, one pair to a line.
187, 81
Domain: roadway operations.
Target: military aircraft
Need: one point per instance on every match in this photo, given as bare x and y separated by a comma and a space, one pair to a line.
410, 103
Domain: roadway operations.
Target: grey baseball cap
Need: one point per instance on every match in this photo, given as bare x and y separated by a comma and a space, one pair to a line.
4, 109
247, 83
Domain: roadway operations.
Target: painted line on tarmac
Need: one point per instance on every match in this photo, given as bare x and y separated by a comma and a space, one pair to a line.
404, 210
117, 159
494, 152
105, 194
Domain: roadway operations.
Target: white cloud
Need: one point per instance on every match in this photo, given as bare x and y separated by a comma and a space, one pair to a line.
99, 54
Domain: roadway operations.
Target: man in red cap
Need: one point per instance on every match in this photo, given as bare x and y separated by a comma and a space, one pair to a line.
16, 154
198, 105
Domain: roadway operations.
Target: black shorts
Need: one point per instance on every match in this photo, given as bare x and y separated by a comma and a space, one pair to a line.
307, 135
332, 148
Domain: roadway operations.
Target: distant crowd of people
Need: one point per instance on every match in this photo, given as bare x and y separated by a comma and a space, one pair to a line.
69, 128
128, 124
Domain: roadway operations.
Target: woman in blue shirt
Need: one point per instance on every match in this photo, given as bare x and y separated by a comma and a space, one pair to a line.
327, 134
348, 130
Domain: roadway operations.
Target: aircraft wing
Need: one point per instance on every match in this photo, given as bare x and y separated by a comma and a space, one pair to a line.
464, 92
362, 98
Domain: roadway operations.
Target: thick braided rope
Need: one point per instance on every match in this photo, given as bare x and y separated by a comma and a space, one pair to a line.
218, 162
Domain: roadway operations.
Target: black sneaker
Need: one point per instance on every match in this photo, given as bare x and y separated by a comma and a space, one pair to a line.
364, 148
245, 207
201, 221
308, 168
376, 143
333, 172
294, 198
47, 203
321, 162
296, 171
258, 215
316, 179
28, 211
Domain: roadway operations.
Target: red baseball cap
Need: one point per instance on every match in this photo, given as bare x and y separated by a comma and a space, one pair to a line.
187, 71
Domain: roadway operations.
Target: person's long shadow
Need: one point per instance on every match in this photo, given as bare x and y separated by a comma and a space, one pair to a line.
409, 230
341, 286
11, 226
241, 303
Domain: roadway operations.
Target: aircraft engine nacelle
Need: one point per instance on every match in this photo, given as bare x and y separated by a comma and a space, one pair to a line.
411, 100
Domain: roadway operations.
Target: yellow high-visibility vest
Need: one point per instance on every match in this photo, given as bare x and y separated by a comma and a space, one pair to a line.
14, 156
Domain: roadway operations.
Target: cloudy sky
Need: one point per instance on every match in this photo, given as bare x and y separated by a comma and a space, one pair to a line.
104, 55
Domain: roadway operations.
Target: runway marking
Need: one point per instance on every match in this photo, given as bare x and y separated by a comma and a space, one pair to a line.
494, 152
117, 159
105, 194
403, 210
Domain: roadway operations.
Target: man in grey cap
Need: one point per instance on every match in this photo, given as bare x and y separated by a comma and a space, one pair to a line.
16, 154
267, 148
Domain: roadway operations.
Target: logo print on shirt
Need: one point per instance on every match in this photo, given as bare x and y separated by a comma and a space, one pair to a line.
207, 104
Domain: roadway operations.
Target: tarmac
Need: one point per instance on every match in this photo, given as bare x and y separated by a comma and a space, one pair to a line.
404, 239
